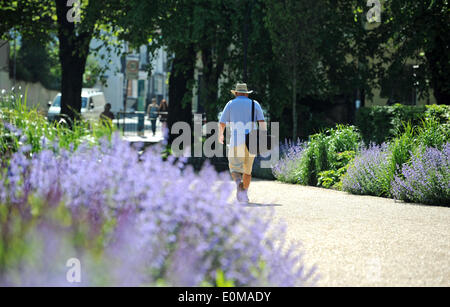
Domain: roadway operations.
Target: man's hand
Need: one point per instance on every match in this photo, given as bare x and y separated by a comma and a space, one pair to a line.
262, 125
222, 127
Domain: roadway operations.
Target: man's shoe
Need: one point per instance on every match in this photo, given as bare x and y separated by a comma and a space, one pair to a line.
241, 195
239, 191
245, 196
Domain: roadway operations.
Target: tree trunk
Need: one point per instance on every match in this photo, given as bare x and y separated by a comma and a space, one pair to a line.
73, 53
211, 74
71, 85
180, 88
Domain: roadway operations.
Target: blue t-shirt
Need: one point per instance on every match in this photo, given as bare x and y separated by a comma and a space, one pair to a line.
238, 112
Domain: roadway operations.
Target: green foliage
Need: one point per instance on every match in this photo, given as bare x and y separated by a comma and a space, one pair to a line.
401, 148
343, 138
221, 280
93, 73
343, 159
296, 50
377, 169
322, 160
37, 62
306, 174
333, 178
412, 141
328, 178
327, 156
417, 33
43, 20
379, 124
432, 133
32, 128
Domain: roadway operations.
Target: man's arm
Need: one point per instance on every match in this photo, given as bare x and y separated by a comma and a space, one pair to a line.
224, 119
222, 127
262, 124
260, 117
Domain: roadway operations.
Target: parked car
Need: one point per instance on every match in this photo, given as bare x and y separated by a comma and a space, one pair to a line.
92, 105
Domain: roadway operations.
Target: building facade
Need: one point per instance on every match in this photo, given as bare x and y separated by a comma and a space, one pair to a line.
152, 81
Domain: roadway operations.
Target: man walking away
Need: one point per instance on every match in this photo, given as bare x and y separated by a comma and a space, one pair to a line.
238, 112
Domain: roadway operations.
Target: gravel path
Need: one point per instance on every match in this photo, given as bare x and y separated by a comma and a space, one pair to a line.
362, 240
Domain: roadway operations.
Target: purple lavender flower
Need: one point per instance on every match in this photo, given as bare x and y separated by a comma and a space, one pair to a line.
151, 220
426, 179
15, 131
291, 154
370, 173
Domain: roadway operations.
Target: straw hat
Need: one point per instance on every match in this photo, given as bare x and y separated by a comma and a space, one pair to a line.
241, 88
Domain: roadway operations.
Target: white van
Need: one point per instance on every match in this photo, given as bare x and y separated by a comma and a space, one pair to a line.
92, 105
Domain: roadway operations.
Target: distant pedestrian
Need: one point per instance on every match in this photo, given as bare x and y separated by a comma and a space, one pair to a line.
107, 112
152, 113
238, 112
163, 113
107, 116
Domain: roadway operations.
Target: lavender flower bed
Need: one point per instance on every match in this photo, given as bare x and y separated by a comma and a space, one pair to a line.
426, 179
286, 169
133, 220
370, 173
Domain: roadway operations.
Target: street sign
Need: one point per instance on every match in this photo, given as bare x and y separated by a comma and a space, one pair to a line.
132, 70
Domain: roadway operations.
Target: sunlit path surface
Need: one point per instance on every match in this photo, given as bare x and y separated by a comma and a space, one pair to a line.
361, 240
146, 136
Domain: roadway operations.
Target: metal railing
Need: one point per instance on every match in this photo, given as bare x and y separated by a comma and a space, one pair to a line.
132, 123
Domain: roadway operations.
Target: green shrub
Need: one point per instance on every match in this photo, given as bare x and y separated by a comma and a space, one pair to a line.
432, 133
328, 178
306, 173
20, 125
402, 146
377, 168
315, 160
343, 138
379, 124
413, 140
440, 112
344, 158
333, 178
321, 153
326, 157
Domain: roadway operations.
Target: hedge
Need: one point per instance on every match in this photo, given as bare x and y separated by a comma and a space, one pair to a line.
378, 124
